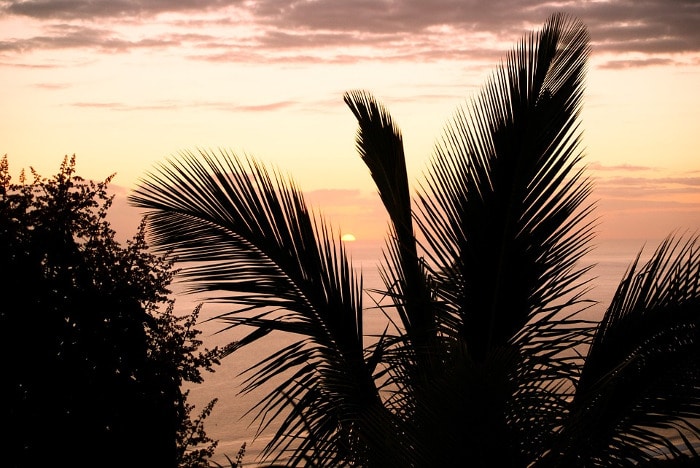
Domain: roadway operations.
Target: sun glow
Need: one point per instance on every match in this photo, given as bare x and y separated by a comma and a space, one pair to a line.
348, 238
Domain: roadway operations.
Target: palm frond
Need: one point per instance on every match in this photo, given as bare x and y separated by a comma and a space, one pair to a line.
503, 208
254, 244
411, 357
380, 146
639, 385
504, 214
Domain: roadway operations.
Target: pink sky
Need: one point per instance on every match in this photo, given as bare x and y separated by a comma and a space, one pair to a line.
125, 84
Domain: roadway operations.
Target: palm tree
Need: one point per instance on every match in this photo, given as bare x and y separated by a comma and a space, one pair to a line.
486, 358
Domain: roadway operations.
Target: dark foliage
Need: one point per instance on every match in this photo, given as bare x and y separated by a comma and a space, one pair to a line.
91, 369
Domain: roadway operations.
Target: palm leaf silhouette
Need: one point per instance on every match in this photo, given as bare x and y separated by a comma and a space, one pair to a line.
486, 358
264, 251
637, 398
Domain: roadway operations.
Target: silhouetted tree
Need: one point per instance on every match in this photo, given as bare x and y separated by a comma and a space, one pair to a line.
91, 369
486, 359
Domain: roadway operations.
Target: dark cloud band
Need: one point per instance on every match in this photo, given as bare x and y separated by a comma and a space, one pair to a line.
402, 29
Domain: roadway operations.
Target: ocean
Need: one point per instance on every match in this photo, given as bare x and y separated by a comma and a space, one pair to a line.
229, 423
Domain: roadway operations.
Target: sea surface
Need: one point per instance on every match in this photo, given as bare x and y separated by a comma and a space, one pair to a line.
229, 423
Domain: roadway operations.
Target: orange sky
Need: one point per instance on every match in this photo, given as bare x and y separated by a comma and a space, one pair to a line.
125, 84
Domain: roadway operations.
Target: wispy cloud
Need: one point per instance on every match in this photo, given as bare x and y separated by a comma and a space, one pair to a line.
647, 188
68, 36
172, 105
638, 62
91, 9
597, 166
52, 86
627, 32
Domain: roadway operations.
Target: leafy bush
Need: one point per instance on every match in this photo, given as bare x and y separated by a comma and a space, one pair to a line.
93, 357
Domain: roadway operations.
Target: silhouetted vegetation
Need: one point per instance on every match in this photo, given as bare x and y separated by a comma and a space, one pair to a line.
93, 357
487, 359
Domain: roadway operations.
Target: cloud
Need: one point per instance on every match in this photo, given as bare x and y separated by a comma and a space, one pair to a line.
68, 36
170, 105
52, 86
638, 63
623, 33
91, 9
597, 166
649, 26
684, 188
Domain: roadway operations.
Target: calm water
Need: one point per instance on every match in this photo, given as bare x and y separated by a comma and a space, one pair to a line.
231, 428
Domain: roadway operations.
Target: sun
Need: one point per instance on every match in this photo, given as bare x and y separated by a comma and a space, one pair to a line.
348, 238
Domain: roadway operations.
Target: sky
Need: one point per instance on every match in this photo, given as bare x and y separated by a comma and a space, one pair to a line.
125, 84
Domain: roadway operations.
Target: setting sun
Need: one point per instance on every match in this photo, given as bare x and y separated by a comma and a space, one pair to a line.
348, 238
